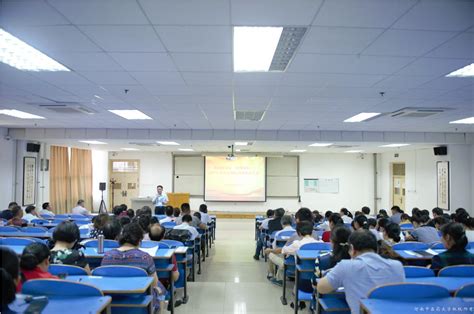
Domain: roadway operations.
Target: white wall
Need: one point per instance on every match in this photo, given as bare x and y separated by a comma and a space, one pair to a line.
100, 173
7, 169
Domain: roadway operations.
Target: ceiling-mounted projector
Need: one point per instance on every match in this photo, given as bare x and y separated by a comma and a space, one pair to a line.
231, 156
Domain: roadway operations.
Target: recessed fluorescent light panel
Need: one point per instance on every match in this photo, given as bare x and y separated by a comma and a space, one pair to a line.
467, 71
20, 55
362, 116
131, 114
241, 143
394, 145
464, 121
186, 149
129, 149
354, 151
321, 144
289, 40
254, 48
19, 114
167, 143
297, 150
93, 142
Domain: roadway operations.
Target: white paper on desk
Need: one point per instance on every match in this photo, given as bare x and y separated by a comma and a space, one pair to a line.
412, 253
150, 250
285, 237
431, 252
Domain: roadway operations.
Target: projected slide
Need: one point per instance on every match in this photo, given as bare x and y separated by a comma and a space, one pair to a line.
240, 180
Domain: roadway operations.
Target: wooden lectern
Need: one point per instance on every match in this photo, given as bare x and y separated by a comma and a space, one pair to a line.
176, 199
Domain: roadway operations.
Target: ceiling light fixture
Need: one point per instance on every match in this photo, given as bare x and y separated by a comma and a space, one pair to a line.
93, 142
129, 149
241, 143
186, 149
354, 151
363, 116
467, 71
19, 114
394, 145
20, 55
254, 48
464, 121
320, 144
167, 143
131, 114
297, 150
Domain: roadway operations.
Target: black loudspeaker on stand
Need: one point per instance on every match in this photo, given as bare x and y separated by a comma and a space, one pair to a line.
102, 207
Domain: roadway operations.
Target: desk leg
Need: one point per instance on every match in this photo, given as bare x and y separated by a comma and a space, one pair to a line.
296, 290
193, 266
199, 259
171, 293
283, 296
185, 288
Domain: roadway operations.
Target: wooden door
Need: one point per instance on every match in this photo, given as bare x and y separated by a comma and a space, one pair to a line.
398, 190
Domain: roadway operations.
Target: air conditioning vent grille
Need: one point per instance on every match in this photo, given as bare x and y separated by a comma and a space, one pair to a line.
66, 107
249, 115
414, 112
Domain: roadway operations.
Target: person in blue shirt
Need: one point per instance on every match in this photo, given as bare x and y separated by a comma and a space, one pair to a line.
160, 200
363, 272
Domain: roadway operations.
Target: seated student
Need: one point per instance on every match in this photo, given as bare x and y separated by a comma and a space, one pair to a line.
396, 214
157, 233
198, 215
129, 254
373, 228
118, 210
10, 271
360, 222
113, 228
303, 214
346, 215
325, 225
144, 221
16, 219
422, 232
169, 215
366, 211
34, 262
176, 212
98, 224
46, 209
335, 220
437, 212
405, 219
391, 234
7, 213
65, 237
274, 224
264, 225
363, 272
204, 216
468, 224
124, 221
340, 250
186, 222
439, 222
286, 222
130, 213
186, 210
30, 213
455, 241
80, 209
276, 256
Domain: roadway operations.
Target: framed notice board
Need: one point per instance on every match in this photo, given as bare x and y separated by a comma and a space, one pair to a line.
442, 168
29, 181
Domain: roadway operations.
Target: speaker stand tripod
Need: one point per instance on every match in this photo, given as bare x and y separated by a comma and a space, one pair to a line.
102, 207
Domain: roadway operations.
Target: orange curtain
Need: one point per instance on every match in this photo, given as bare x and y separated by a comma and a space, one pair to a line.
81, 177
59, 179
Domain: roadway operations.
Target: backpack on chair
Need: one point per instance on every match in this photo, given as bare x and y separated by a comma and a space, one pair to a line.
178, 235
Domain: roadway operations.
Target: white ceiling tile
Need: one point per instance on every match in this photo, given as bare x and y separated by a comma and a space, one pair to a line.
274, 12
150, 61
461, 46
253, 91
349, 92
433, 66
327, 79
297, 91
396, 42
207, 78
219, 62
86, 61
339, 40
210, 90
444, 15
158, 78
28, 13
124, 38
61, 78
262, 78
167, 90
449, 83
362, 13
109, 78
401, 82
207, 39
190, 12
100, 12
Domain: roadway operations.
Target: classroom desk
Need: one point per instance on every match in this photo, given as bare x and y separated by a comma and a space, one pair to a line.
450, 283
443, 305
71, 305
92, 253
116, 285
40, 235
412, 255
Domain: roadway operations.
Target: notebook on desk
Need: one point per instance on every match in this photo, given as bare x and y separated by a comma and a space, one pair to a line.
425, 253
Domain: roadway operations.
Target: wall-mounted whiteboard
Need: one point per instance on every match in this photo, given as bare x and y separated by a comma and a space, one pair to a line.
188, 175
321, 185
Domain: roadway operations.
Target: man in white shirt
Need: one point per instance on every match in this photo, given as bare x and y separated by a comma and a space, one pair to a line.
160, 200
185, 225
169, 215
30, 213
276, 256
205, 219
264, 224
46, 209
80, 209
286, 224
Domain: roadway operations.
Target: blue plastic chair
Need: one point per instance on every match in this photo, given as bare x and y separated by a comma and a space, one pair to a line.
406, 227
119, 271
57, 287
110, 244
83, 231
316, 246
149, 244
169, 225
38, 221
437, 246
470, 245
409, 291
3, 220
173, 243
77, 216
418, 272
17, 241
34, 229
419, 246
466, 291
46, 216
70, 270
9, 229
62, 216
457, 271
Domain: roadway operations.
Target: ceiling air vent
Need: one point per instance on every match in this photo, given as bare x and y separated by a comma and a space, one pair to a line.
342, 146
417, 112
249, 115
66, 107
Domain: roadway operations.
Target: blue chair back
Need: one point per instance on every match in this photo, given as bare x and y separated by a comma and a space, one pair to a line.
173, 243
34, 229
81, 222
409, 291
470, 245
169, 225
62, 216
406, 227
149, 244
317, 246
38, 221
466, 291
57, 287
83, 231
437, 246
3, 220
418, 271
76, 216
160, 216
70, 270
110, 244
420, 246
457, 271
16, 241
9, 229
57, 220
46, 216
119, 271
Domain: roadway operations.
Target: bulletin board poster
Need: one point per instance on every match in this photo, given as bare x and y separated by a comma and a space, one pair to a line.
29, 180
443, 184
321, 185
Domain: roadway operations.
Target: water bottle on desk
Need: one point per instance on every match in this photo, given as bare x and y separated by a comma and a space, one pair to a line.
100, 244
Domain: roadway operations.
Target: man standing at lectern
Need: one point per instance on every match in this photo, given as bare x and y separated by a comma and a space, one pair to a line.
160, 201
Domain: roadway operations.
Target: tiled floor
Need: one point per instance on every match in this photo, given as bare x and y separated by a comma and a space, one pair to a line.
231, 281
